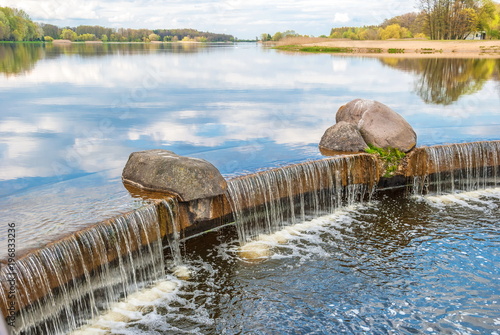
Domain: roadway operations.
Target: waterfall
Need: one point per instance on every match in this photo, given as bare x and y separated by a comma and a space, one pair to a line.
265, 202
73, 279
173, 230
456, 167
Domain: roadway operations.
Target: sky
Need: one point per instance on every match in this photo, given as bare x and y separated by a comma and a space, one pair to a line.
241, 18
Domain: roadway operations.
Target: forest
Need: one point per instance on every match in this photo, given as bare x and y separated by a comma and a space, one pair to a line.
16, 25
436, 20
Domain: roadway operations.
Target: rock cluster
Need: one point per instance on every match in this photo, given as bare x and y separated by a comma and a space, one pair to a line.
362, 122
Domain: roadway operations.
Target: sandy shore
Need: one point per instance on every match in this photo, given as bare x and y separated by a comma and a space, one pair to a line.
413, 48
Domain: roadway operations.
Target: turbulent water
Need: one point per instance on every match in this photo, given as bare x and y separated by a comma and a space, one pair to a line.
263, 203
422, 265
62, 284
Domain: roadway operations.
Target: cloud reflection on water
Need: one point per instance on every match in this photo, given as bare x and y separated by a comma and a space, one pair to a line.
78, 112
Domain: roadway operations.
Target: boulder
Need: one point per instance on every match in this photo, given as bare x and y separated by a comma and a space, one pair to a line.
378, 124
344, 137
164, 171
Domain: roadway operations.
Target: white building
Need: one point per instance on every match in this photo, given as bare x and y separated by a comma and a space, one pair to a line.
476, 35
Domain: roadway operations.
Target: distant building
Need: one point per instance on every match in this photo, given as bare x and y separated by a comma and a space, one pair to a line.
476, 35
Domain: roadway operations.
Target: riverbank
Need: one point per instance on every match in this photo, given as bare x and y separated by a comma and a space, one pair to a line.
396, 48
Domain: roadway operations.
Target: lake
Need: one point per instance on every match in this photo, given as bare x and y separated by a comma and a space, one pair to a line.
72, 114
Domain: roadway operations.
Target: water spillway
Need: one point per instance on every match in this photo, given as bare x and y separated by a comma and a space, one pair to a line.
455, 167
86, 272
82, 274
263, 203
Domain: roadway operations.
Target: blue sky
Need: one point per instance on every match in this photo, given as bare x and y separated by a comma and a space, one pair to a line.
243, 19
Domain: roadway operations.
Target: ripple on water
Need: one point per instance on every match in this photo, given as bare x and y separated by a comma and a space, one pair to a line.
387, 267
49, 211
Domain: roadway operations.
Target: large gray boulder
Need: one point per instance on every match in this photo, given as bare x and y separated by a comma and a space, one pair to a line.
164, 171
343, 136
378, 124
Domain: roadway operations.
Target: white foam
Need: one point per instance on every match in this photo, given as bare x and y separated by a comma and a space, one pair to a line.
182, 272
466, 199
261, 248
255, 251
130, 309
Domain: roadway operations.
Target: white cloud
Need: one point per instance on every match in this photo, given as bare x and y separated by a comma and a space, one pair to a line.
57, 10
125, 17
244, 19
341, 18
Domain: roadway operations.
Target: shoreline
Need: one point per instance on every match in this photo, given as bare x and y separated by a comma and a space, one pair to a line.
396, 48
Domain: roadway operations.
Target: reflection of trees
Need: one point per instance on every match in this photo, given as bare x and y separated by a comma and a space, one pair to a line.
103, 49
444, 80
17, 58
497, 74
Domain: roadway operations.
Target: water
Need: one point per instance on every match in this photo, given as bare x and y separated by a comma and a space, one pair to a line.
70, 116
265, 202
59, 287
456, 168
391, 266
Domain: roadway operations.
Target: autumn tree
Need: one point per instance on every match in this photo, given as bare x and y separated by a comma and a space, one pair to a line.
394, 31
68, 34
154, 37
87, 37
493, 28
455, 19
414, 22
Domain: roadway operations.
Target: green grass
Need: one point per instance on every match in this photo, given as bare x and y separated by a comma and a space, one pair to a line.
430, 50
391, 157
22, 42
314, 49
396, 51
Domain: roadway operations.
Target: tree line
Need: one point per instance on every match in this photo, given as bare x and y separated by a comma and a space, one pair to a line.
436, 20
98, 33
16, 25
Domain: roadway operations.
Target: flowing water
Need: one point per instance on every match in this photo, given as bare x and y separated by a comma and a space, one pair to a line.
265, 202
457, 168
394, 264
390, 266
63, 284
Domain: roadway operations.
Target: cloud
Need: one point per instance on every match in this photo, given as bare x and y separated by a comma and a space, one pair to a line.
341, 18
244, 19
125, 17
56, 10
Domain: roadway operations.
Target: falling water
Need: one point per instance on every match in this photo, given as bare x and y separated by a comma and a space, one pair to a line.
266, 202
173, 230
457, 167
72, 280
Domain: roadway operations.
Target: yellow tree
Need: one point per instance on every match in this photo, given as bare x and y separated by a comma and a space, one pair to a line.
391, 31
154, 37
68, 34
